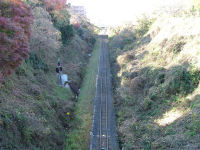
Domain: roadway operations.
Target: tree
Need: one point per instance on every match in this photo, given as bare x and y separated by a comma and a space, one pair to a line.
53, 5
15, 20
60, 17
45, 36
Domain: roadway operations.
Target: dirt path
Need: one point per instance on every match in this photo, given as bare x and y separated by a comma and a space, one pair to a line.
103, 136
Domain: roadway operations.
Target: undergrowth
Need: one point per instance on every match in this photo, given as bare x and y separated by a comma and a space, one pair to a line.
156, 85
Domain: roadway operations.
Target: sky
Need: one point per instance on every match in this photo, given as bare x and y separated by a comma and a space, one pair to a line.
117, 12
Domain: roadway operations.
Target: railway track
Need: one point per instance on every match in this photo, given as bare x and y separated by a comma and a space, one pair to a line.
103, 135
103, 132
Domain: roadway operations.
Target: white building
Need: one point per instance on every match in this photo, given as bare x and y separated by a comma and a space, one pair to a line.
79, 10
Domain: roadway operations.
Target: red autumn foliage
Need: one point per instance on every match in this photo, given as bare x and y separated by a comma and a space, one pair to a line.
77, 25
53, 5
15, 20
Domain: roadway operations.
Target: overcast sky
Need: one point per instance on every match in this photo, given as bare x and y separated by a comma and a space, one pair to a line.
116, 12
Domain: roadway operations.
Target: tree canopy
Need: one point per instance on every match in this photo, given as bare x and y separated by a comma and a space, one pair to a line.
15, 31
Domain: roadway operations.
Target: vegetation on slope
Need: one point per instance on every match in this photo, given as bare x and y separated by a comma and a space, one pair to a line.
14, 35
156, 77
35, 113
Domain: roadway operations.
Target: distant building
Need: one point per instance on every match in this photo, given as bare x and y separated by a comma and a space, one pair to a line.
79, 10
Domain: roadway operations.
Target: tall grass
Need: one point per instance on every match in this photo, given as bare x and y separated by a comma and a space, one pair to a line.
79, 136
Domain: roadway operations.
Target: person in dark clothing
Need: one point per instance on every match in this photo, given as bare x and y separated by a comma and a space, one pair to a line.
59, 67
73, 87
57, 70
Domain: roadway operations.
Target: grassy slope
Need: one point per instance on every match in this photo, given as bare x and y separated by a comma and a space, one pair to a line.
79, 137
157, 86
34, 109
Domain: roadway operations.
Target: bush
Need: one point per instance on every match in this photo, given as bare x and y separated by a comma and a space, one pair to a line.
67, 33
86, 34
146, 103
127, 41
20, 71
143, 26
15, 20
36, 62
45, 39
59, 15
61, 18
195, 8
183, 81
91, 40
80, 32
178, 47
162, 83
53, 5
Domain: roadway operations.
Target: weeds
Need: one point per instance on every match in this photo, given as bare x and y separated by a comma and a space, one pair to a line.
163, 88
183, 82
143, 26
178, 47
63, 93
193, 128
36, 62
120, 116
20, 71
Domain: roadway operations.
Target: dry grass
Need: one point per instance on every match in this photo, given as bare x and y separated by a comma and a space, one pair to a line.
159, 86
35, 113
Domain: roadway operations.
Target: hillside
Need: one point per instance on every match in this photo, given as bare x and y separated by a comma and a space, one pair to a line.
35, 113
156, 73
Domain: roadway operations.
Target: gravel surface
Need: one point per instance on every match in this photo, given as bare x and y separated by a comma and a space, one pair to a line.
103, 135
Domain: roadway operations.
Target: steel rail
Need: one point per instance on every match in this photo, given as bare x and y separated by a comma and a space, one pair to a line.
106, 97
101, 88
104, 102
103, 135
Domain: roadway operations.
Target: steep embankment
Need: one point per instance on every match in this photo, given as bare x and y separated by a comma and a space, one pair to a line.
156, 76
35, 113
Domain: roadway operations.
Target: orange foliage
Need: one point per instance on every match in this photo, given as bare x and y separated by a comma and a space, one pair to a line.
55, 4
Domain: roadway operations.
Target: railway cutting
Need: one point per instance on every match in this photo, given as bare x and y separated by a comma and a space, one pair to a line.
103, 135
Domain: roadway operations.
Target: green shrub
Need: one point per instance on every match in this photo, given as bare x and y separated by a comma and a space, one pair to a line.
183, 81
143, 26
178, 47
27, 133
67, 33
80, 32
92, 40
147, 103
178, 81
127, 41
154, 93
20, 71
195, 9
193, 128
120, 116
156, 75
36, 62
86, 34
